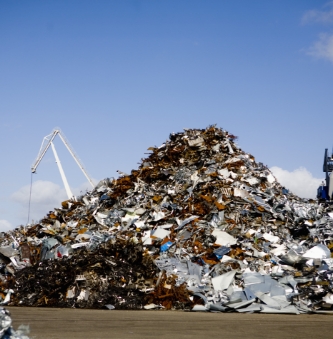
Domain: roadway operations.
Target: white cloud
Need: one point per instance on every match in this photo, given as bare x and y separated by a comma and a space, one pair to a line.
300, 181
323, 48
45, 196
5, 225
325, 16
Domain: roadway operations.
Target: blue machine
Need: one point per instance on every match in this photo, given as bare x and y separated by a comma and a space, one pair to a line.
325, 191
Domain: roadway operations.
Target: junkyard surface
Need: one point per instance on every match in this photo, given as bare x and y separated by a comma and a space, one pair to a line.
54, 323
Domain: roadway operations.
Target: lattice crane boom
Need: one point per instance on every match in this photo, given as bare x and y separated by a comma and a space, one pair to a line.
47, 142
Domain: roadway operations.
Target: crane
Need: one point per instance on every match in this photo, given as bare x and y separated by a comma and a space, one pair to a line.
47, 142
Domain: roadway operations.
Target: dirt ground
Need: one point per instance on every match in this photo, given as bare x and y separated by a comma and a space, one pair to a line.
54, 323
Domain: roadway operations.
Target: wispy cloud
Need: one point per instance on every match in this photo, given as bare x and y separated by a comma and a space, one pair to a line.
323, 48
300, 181
46, 196
5, 225
324, 16
83, 188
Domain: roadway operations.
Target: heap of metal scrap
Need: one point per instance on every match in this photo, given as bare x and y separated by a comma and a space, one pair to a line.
200, 225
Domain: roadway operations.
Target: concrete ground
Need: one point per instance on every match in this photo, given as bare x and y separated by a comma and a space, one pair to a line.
55, 323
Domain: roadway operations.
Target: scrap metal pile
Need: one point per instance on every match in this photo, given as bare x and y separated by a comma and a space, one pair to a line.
200, 225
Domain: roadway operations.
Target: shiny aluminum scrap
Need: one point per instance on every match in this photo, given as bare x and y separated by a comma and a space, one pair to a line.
6, 329
200, 225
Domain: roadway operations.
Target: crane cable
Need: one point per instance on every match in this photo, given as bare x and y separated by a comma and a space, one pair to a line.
29, 199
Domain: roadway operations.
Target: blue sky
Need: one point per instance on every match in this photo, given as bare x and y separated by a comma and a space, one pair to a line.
119, 76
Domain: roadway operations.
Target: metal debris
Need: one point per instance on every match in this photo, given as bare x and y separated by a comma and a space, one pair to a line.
200, 225
6, 329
